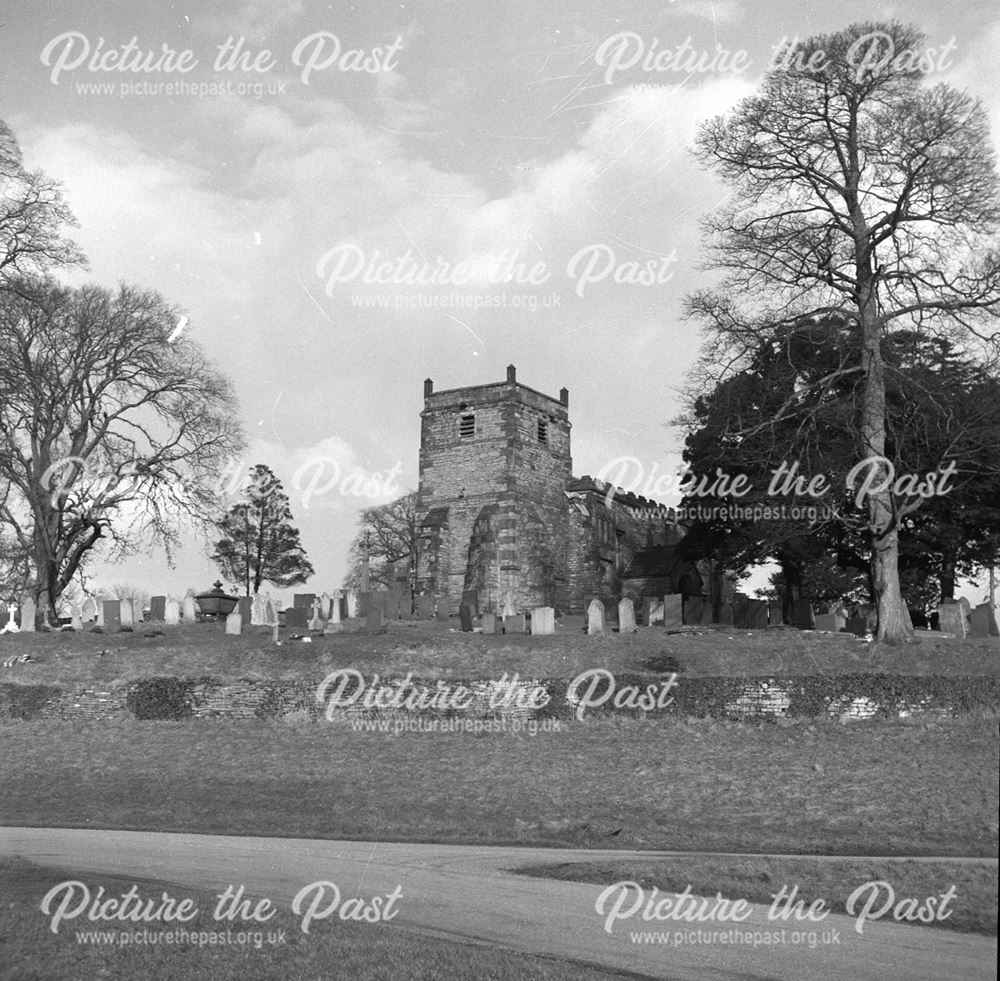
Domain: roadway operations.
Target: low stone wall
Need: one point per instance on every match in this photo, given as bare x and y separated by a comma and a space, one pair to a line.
844, 697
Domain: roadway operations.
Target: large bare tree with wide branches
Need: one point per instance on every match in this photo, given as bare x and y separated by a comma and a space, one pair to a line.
858, 190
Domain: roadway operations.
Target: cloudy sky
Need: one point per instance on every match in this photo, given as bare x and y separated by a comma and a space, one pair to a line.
282, 170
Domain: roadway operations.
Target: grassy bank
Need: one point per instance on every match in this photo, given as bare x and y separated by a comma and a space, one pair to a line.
868, 788
433, 650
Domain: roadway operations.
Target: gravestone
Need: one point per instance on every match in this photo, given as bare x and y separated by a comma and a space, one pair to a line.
375, 622
297, 618
28, 611
983, 621
826, 621
740, 620
406, 603
471, 598
465, 613
443, 608
757, 614
626, 616
127, 613
543, 620
489, 623
303, 601
952, 619
258, 613
393, 604
157, 608
775, 616
172, 611
189, 608
10, 627
425, 607
515, 624
805, 619
656, 613
325, 605
99, 603
245, 606
726, 616
647, 605
112, 616
856, 625
234, 623
89, 610
271, 617
335, 610
595, 617
673, 611
508, 607
352, 603
76, 617
694, 610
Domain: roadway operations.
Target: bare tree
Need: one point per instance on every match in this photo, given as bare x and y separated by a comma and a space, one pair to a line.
388, 534
856, 191
32, 217
112, 426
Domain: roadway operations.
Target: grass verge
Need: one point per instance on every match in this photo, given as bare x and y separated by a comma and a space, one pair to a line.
29, 951
759, 880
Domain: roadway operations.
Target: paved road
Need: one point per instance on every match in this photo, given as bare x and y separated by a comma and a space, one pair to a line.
466, 893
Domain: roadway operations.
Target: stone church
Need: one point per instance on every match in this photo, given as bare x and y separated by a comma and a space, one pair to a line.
500, 512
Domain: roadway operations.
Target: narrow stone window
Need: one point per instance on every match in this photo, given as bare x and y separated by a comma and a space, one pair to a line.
543, 431
467, 426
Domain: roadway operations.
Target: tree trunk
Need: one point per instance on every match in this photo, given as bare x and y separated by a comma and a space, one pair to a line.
792, 575
948, 575
894, 625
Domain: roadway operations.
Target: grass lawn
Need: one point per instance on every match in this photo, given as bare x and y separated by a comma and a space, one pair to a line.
29, 951
758, 880
871, 788
432, 650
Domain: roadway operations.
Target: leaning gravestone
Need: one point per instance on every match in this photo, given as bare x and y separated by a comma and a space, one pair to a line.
189, 607
172, 611
656, 614
543, 620
112, 616
952, 619
28, 612
127, 613
465, 614
673, 611
626, 616
489, 623
157, 608
234, 623
595, 617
